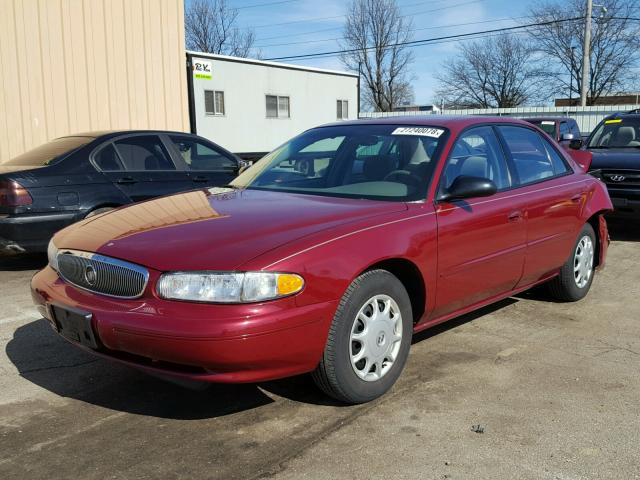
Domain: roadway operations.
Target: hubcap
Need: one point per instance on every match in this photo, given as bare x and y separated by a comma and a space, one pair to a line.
376, 335
583, 261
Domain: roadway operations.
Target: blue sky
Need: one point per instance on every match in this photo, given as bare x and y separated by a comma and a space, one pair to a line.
297, 27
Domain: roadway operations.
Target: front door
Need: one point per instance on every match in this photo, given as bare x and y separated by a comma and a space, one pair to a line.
481, 241
207, 164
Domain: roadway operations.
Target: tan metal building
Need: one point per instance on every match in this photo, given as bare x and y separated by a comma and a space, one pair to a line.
69, 66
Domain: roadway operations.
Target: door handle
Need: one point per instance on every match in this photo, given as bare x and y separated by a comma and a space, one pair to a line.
576, 198
200, 178
515, 216
126, 180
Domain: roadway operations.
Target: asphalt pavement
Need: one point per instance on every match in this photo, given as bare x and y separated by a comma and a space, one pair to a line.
524, 389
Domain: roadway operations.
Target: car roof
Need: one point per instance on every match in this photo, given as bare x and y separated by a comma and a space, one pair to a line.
631, 114
113, 133
446, 121
546, 119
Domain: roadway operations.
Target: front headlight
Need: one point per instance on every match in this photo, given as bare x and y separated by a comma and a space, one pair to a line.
229, 287
52, 255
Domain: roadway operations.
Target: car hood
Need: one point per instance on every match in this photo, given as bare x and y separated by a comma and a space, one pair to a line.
627, 158
216, 229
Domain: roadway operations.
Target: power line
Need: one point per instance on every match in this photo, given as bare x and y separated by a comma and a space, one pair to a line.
265, 4
318, 19
428, 40
412, 30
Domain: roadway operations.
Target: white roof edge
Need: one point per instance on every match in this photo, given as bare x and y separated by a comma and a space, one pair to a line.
266, 63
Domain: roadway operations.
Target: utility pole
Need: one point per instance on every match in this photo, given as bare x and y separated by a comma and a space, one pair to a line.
586, 55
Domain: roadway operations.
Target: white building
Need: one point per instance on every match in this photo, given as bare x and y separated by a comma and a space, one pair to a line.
252, 106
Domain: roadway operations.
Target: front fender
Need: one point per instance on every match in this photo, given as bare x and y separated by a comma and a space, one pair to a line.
330, 260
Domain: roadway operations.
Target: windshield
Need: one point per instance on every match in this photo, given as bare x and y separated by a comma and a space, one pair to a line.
380, 162
616, 133
46, 153
549, 126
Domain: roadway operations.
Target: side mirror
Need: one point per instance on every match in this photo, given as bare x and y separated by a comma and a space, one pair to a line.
468, 187
567, 137
576, 144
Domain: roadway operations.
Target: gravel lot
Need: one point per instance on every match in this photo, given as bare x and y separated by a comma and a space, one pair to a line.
554, 386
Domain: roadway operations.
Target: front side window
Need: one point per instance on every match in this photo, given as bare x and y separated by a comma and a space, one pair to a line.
529, 155
143, 152
382, 162
616, 133
199, 155
477, 153
277, 107
214, 102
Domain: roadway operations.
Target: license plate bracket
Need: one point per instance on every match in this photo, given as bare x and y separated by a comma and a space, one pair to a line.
75, 325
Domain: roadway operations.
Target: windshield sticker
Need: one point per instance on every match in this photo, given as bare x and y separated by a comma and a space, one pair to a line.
548, 122
618, 120
420, 131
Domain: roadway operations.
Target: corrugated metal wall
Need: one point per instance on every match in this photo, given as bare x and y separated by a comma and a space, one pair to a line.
69, 66
587, 117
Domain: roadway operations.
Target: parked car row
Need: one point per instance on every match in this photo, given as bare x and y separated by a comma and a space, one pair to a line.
79, 176
325, 256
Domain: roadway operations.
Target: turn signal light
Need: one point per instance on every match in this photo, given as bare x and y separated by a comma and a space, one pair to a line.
12, 194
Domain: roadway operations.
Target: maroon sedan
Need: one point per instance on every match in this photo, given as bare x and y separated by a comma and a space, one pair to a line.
328, 254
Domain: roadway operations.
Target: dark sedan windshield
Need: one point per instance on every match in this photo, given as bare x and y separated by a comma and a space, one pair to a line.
616, 133
382, 162
46, 153
549, 126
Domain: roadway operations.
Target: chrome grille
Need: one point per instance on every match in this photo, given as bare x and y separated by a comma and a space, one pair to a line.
622, 178
100, 274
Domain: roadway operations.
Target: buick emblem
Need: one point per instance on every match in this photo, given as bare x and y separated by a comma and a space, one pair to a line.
90, 275
617, 178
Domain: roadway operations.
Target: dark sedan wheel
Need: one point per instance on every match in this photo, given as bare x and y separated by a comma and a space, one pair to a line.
368, 341
576, 275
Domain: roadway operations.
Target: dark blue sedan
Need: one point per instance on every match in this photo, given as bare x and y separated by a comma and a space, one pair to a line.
75, 177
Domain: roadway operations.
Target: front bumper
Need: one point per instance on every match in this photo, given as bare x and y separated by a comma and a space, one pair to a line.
217, 343
625, 207
31, 232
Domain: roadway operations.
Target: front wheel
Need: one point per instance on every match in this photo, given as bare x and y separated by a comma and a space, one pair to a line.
576, 275
368, 341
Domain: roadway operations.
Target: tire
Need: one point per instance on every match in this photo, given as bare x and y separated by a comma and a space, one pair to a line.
574, 281
98, 211
383, 354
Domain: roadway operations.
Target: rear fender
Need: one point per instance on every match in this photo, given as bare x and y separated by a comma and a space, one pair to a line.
582, 157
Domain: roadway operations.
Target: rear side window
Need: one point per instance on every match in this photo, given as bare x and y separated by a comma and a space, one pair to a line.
199, 155
45, 154
143, 152
530, 158
559, 165
477, 153
106, 159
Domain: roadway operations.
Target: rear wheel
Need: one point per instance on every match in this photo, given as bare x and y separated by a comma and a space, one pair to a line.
368, 341
576, 275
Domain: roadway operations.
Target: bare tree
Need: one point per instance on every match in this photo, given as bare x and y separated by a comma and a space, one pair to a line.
210, 26
494, 72
373, 31
614, 46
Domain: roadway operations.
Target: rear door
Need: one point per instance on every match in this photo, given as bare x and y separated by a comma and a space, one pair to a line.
481, 241
554, 199
141, 167
205, 163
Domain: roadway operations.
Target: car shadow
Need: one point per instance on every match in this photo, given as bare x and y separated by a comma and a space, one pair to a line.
47, 360
24, 261
624, 231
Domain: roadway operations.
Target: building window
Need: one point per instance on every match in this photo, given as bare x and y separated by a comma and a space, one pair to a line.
342, 109
277, 107
213, 102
